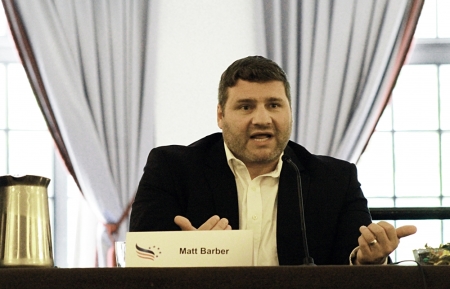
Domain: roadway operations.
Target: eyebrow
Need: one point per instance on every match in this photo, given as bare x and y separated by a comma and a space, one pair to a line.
246, 100
273, 98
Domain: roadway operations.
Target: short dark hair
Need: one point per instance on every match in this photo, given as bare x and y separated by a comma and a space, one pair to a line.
253, 69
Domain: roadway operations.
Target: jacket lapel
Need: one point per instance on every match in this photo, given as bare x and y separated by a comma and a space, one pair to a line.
223, 185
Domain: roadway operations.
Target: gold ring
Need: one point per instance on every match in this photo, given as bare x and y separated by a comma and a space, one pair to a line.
373, 242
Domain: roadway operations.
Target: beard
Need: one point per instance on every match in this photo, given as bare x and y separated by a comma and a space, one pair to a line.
238, 143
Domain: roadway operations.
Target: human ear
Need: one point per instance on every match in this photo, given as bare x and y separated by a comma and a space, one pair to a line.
219, 116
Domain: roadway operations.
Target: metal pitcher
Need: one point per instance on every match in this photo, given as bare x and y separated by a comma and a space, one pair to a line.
25, 234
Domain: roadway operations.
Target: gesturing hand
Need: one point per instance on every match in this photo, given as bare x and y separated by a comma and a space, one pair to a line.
213, 223
379, 240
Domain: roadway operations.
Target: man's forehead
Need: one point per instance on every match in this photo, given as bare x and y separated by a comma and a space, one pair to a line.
244, 99
266, 82
251, 91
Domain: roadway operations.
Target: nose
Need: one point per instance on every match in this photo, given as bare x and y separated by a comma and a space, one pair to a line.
261, 116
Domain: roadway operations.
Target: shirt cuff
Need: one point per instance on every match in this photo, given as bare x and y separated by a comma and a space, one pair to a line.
353, 257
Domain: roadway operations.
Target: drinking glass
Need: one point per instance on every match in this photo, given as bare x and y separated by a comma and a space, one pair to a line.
120, 254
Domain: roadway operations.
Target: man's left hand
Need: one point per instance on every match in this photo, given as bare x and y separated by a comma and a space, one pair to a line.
213, 223
379, 240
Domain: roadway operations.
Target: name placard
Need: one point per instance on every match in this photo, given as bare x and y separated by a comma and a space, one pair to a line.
189, 249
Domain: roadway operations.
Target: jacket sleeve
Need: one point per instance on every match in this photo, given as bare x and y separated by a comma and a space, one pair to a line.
157, 201
354, 213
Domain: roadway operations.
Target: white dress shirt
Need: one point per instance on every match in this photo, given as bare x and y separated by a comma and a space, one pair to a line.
258, 208
257, 200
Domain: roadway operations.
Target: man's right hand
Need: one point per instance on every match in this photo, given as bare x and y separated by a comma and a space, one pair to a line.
213, 223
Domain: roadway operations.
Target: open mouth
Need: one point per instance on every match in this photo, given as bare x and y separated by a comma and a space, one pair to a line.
261, 136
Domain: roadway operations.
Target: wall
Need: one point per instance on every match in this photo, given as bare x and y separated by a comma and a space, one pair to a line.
196, 41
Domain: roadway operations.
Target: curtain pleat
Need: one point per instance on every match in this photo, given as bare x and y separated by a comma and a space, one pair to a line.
341, 57
88, 64
29, 61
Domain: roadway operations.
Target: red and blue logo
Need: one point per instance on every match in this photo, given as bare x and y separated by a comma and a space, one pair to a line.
150, 254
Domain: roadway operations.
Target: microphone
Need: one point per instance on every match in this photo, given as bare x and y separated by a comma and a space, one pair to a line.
307, 260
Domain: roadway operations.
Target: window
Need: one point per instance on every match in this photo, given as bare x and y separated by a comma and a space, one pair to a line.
408, 157
26, 146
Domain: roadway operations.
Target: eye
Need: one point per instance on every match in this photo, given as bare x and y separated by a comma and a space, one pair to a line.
245, 107
274, 105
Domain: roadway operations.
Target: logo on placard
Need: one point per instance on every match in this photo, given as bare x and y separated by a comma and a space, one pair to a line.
150, 254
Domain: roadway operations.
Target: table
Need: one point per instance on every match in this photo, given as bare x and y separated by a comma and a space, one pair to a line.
390, 276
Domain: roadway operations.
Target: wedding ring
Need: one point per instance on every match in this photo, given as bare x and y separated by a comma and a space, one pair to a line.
373, 242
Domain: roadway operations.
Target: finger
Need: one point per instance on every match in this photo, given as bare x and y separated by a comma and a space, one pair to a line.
184, 223
222, 224
363, 244
210, 223
367, 236
389, 230
407, 230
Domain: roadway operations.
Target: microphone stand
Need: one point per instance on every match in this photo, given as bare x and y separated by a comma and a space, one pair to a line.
308, 260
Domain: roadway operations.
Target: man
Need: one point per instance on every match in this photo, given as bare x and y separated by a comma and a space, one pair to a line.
239, 175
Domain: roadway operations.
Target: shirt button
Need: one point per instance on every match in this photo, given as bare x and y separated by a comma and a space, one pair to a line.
254, 217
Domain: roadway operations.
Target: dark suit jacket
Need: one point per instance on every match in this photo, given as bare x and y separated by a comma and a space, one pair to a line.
196, 182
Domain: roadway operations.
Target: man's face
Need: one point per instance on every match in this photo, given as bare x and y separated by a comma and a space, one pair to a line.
256, 121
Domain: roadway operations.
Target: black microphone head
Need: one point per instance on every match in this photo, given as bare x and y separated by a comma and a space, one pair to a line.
286, 158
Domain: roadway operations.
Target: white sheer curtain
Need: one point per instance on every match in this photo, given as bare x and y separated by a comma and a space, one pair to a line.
90, 64
342, 58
